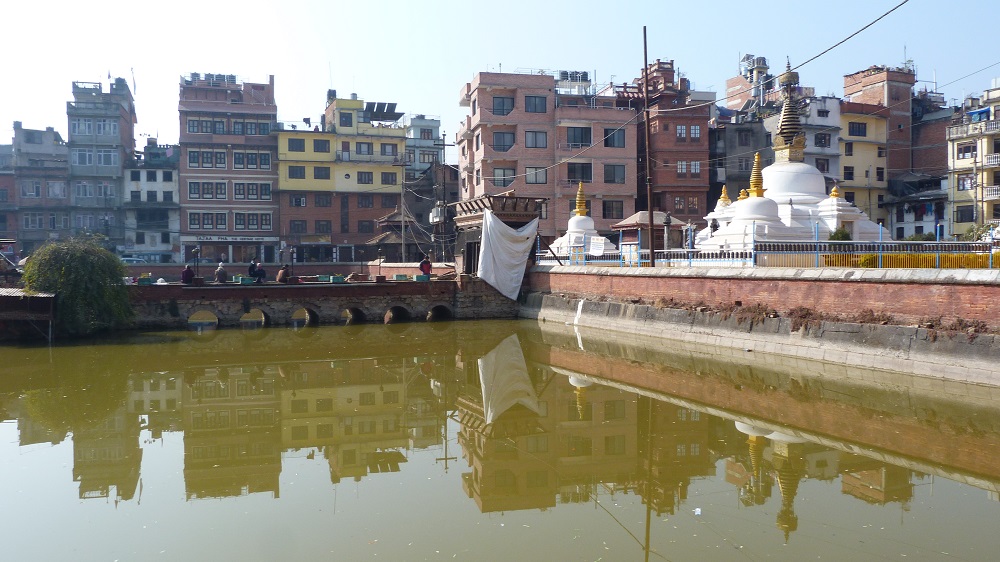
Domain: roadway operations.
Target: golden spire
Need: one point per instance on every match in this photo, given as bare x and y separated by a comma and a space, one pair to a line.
743, 195
581, 400
834, 193
790, 139
581, 202
756, 178
724, 198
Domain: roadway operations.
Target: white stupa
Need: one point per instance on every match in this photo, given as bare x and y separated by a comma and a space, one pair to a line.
787, 201
581, 234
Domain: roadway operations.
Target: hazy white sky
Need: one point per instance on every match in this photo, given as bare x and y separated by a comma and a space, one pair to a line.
419, 54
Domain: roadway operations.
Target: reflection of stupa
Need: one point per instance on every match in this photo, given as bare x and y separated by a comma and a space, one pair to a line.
790, 470
580, 233
787, 200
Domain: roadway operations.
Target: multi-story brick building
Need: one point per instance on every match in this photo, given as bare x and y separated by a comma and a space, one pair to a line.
678, 137
539, 135
101, 141
152, 205
41, 197
891, 88
227, 169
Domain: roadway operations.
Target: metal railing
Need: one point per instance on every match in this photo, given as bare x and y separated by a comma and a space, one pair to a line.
795, 254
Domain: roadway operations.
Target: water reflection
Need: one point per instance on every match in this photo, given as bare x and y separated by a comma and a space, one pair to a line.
536, 421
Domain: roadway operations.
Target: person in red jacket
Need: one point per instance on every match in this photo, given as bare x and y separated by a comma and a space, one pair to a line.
187, 275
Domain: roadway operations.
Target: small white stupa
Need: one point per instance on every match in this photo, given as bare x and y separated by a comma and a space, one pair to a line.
787, 201
581, 236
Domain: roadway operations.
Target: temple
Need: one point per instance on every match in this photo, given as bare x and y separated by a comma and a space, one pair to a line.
581, 234
787, 200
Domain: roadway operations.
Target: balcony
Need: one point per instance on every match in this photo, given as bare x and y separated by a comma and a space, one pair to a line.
973, 129
991, 192
991, 160
574, 145
501, 147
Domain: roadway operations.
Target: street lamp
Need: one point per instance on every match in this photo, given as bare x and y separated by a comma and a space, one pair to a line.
196, 252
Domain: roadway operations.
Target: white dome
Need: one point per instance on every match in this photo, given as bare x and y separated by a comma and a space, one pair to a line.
580, 223
791, 180
755, 209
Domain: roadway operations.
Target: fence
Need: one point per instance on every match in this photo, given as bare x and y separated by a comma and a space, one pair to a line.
808, 254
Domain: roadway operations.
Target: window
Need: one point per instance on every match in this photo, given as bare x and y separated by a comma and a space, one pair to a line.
848, 172
614, 410
346, 119
237, 127
426, 134
849, 197
692, 207
536, 175
822, 139
823, 165
297, 227
427, 157
194, 221
502, 141
682, 169
743, 138
848, 149
613, 209
363, 147
135, 175
695, 132
681, 133
251, 160
881, 152
388, 201
239, 160
321, 173
388, 149
964, 213
321, 145
388, 178
614, 173
206, 126
192, 125
265, 160
536, 139
297, 172
857, 129
502, 105
366, 201
366, 177
534, 104
580, 446
964, 182
744, 164
366, 227
56, 189
477, 141
474, 104
220, 224
822, 113
33, 221
84, 157
31, 189
478, 176
965, 151
324, 227
105, 189
580, 172
220, 159
614, 445
324, 200
879, 174
220, 127
578, 137
502, 177
695, 169
614, 138
296, 200
194, 190
84, 189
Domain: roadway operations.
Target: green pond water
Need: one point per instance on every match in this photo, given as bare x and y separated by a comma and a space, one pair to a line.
481, 441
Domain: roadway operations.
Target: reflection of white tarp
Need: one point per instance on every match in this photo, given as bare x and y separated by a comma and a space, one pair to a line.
504, 252
504, 377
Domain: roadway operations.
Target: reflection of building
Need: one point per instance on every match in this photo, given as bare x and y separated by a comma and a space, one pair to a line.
232, 445
158, 397
108, 455
673, 448
880, 484
354, 409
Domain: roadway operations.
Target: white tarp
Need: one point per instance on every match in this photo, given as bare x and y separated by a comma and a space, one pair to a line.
503, 253
503, 375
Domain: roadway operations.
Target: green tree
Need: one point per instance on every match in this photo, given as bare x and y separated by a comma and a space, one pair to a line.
88, 281
977, 232
841, 234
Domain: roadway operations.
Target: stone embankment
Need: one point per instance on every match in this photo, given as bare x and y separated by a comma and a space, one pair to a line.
930, 354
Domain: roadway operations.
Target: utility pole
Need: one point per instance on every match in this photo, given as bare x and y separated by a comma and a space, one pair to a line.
649, 180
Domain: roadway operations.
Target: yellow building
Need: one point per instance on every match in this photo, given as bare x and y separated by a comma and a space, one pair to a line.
336, 180
974, 164
863, 157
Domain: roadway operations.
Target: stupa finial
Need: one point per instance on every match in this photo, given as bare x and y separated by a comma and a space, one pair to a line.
834, 193
743, 195
724, 198
581, 202
756, 178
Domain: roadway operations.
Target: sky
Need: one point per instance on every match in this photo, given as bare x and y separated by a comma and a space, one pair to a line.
420, 54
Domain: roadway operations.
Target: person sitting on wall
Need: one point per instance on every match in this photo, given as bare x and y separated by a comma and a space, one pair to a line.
252, 270
259, 273
220, 274
283, 274
425, 265
187, 275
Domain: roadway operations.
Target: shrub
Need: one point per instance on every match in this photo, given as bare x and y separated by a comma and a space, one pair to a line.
87, 280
